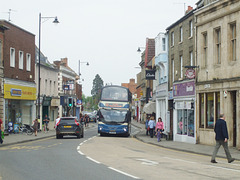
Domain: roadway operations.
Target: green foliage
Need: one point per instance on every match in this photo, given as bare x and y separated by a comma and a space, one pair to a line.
90, 103
97, 85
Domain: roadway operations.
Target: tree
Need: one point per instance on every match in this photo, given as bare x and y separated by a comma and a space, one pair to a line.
97, 85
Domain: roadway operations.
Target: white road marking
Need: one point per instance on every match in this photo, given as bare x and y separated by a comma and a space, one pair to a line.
93, 160
124, 173
148, 162
80, 152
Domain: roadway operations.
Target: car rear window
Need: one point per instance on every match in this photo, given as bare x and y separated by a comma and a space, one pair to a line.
67, 121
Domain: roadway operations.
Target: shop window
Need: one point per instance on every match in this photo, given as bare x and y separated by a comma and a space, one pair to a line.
185, 120
210, 110
201, 110
180, 121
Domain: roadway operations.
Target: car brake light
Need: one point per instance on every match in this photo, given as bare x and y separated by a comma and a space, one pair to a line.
76, 122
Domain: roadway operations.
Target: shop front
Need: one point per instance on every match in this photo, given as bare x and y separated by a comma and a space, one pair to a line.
162, 105
184, 113
19, 104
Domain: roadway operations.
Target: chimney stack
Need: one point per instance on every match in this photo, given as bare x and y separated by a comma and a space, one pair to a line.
189, 9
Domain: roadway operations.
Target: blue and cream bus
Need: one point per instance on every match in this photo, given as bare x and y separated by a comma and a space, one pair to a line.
114, 113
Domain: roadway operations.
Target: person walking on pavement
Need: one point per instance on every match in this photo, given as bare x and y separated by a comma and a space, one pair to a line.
46, 121
35, 126
151, 125
57, 121
221, 137
159, 128
1, 130
146, 125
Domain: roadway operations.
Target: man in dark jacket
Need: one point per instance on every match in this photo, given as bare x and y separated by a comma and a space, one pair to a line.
221, 139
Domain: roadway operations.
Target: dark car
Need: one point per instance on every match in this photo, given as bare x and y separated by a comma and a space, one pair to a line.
69, 126
93, 118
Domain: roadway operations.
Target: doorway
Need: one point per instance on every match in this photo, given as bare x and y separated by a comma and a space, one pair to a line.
234, 116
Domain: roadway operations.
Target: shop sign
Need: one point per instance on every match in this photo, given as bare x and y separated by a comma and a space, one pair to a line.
70, 82
19, 92
150, 74
170, 95
184, 89
183, 105
16, 92
55, 102
190, 73
65, 87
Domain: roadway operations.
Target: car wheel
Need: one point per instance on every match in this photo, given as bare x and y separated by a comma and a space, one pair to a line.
78, 136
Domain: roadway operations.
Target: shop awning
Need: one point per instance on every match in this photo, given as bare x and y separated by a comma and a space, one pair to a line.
150, 108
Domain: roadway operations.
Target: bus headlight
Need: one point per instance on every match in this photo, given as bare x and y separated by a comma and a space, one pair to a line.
125, 129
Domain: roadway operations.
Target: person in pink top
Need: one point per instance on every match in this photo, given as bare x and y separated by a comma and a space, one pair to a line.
159, 128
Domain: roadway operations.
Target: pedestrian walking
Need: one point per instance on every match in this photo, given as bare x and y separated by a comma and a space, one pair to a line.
221, 137
1, 131
35, 126
85, 120
56, 121
151, 125
159, 128
46, 121
146, 125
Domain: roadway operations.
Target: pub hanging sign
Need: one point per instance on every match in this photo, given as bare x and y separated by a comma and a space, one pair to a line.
150, 74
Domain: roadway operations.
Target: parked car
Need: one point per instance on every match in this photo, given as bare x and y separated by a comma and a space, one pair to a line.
69, 126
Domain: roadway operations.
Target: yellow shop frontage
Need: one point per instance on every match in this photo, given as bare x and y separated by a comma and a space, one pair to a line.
19, 104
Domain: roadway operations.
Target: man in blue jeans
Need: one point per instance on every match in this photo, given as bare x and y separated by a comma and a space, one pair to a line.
221, 139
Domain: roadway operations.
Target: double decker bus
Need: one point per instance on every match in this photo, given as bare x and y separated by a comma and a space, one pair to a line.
114, 113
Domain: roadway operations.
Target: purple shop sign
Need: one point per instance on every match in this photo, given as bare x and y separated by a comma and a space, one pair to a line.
184, 89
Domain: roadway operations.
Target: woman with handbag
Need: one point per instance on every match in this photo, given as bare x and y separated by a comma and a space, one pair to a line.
159, 128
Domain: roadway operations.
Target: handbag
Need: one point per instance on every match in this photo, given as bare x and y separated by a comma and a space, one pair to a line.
148, 128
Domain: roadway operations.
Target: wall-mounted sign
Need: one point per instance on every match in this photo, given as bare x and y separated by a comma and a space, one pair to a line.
16, 92
150, 74
65, 87
19, 92
70, 82
190, 73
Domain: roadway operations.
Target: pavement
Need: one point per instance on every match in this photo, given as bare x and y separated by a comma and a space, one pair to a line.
202, 149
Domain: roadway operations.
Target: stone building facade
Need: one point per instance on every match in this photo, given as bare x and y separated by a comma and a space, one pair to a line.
181, 48
218, 58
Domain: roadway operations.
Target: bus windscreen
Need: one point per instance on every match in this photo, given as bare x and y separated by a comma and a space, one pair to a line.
117, 116
114, 94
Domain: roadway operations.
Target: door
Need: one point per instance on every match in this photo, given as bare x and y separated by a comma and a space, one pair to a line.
234, 116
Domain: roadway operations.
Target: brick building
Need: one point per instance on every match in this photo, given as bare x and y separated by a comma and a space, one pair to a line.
18, 57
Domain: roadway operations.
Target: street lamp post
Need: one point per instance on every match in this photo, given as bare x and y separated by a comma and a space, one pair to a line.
39, 56
79, 62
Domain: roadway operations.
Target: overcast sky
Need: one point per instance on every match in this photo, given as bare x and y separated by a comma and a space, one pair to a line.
105, 33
